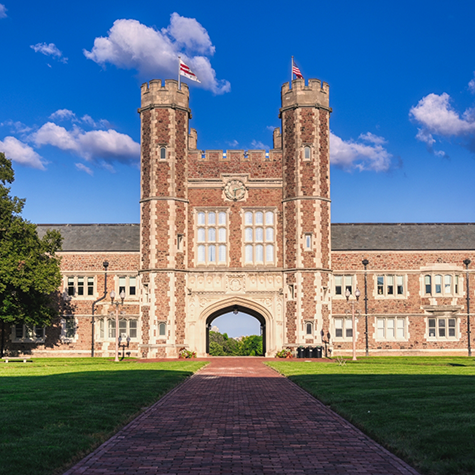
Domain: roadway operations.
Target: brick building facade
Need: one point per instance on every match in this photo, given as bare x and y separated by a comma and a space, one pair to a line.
250, 231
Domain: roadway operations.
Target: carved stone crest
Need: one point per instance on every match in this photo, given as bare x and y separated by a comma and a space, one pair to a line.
235, 190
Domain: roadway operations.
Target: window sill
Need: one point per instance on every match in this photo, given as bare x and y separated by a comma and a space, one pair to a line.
29, 340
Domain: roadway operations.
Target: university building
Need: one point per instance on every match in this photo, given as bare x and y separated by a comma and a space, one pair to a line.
250, 231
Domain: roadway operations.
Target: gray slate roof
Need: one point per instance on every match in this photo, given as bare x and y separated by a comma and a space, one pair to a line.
96, 237
403, 237
345, 237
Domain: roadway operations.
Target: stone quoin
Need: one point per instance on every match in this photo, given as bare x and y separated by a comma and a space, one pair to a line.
251, 231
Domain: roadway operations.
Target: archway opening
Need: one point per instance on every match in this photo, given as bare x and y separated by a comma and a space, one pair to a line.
236, 311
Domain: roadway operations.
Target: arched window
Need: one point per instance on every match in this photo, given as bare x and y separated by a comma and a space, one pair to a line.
309, 328
162, 328
163, 153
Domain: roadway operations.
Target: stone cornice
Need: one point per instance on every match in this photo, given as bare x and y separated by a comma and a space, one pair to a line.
163, 198
165, 106
297, 198
298, 106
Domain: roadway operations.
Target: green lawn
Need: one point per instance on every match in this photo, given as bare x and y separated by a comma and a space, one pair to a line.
420, 408
55, 411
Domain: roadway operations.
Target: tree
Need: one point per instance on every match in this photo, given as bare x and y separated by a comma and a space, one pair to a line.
29, 267
252, 345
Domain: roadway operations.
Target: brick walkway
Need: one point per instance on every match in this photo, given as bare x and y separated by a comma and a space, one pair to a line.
237, 416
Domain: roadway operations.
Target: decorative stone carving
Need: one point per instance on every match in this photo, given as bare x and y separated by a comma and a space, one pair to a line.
235, 190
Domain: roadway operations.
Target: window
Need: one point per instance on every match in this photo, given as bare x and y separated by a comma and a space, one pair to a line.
343, 328
79, 286
308, 241
162, 329
179, 242
68, 328
128, 284
342, 284
163, 153
390, 285
127, 328
259, 237
307, 153
31, 333
439, 285
309, 328
391, 328
212, 237
442, 328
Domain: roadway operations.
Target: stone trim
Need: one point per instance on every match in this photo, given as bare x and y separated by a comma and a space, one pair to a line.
165, 106
164, 198
295, 198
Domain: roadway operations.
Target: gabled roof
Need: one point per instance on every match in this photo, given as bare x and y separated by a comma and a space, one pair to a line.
345, 237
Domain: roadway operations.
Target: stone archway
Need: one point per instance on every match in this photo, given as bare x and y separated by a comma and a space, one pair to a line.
241, 305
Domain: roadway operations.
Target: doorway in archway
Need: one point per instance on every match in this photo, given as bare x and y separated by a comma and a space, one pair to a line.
237, 311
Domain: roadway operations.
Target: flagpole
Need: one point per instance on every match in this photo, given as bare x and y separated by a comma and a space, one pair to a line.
291, 71
179, 75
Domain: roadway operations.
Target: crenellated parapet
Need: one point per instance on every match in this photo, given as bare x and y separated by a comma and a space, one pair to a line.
315, 94
155, 94
235, 155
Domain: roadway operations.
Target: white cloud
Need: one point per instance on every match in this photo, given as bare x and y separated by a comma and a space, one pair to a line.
436, 117
63, 114
83, 168
190, 33
258, 145
471, 85
3, 11
369, 137
234, 143
107, 145
21, 153
356, 155
132, 45
49, 50
16, 127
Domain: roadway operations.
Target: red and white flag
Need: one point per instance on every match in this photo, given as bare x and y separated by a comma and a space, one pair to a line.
296, 70
187, 72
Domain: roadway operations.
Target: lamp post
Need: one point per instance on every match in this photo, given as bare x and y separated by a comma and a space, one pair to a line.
124, 346
116, 304
105, 264
365, 262
467, 263
353, 329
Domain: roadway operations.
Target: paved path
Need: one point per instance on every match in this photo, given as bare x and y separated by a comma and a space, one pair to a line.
237, 416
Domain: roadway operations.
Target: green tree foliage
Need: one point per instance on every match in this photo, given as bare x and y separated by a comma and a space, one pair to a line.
29, 267
222, 345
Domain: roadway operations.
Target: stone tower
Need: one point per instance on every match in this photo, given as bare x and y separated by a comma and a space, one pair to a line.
305, 117
164, 129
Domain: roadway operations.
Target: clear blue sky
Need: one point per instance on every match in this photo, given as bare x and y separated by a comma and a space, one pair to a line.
402, 89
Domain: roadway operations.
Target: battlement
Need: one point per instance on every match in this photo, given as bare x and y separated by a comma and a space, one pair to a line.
315, 93
235, 155
155, 93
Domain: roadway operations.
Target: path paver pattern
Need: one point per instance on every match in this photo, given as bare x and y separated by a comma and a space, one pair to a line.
238, 416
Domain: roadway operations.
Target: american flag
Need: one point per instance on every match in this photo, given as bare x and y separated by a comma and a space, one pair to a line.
296, 70
187, 72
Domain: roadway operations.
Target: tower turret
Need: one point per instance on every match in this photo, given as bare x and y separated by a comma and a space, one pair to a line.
165, 118
305, 114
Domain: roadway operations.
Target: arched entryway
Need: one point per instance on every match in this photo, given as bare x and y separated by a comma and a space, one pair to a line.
236, 309
250, 307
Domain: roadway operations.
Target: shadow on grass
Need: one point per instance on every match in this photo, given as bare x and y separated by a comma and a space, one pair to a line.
48, 422
426, 419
